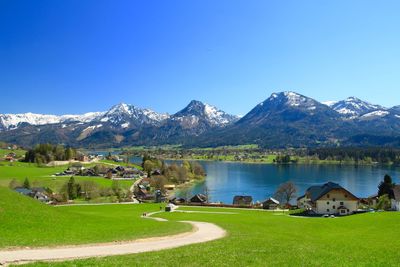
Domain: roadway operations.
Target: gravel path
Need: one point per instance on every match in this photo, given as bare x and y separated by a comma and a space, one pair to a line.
202, 232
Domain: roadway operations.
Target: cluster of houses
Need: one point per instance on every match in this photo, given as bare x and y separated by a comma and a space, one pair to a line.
325, 199
11, 157
115, 173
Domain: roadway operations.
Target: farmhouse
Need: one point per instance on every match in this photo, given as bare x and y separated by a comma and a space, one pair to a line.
242, 200
270, 204
395, 198
329, 198
199, 198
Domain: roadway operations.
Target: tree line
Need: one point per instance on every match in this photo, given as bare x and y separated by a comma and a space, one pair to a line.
358, 155
45, 153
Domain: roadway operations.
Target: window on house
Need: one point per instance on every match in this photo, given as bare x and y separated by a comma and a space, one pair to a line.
327, 195
342, 211
341, 203
327, 203
334, 207
345, 195
334, 199
327, 210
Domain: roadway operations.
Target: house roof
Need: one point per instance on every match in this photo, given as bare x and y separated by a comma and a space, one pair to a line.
317, 191
273, 200
23, 190
243, 199
396, 192
198, 198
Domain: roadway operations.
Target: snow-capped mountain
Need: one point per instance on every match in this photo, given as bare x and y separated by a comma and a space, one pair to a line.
285, 119
13, 121
287, 106
123, 115
197, 111
353, 107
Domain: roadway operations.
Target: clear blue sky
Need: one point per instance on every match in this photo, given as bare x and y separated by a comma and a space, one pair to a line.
75, 56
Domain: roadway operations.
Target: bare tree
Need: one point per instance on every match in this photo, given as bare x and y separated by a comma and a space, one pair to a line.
286, 192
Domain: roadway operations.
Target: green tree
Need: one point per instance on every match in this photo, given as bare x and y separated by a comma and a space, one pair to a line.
386, 186
383, 203
14, 184
148, 166
27, 184
73, 189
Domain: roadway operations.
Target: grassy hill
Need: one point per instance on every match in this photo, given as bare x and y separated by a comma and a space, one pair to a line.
258, 238
27, 223
42, 176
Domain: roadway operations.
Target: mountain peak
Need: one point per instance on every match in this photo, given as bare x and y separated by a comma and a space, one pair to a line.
289, 98
353, 107
209, 113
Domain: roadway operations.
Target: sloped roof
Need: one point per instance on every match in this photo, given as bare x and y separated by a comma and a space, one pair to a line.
271, 200
317, 191
396, 192
198, 198
242, 200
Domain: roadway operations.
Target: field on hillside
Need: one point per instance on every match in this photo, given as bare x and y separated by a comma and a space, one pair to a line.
258, 238
42, 176
25, 222
18, 152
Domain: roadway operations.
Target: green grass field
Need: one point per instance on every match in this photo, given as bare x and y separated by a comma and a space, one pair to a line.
26, 222
18, 152
42, 176
258, 238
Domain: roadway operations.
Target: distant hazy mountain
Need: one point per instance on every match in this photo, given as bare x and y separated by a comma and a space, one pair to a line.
285, 119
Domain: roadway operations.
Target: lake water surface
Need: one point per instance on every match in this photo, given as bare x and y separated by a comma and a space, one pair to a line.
225, 180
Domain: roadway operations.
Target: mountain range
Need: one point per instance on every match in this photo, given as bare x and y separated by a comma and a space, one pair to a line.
285, 119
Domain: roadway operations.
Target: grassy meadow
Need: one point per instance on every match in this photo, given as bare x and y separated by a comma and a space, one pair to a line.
25, 222
258, 238
43, 176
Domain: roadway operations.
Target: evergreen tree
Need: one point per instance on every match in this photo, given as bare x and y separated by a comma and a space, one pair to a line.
27, 184
386, 186
73, 189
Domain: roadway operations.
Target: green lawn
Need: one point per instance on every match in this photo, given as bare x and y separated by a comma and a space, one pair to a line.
42, 176
258, 238
26, 222
106, 161
18, 152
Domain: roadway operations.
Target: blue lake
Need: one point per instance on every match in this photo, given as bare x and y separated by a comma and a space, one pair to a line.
226, 179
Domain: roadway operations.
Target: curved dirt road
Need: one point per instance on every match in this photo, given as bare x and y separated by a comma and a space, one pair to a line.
202, 232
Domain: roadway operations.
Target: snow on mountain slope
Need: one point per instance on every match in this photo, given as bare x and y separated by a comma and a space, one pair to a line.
353, 107
122, 113
197, 110
12, 121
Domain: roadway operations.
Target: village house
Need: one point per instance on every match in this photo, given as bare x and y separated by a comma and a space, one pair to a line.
395, 198
329, 198
243, 200
270, 204
37, 193
199, 198
11, 157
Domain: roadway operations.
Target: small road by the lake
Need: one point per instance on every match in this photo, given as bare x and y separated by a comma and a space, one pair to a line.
202, 232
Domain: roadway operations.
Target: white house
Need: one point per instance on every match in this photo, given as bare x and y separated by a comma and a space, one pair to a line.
329, 198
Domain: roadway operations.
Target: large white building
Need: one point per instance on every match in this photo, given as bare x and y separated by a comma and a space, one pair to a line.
329, 198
